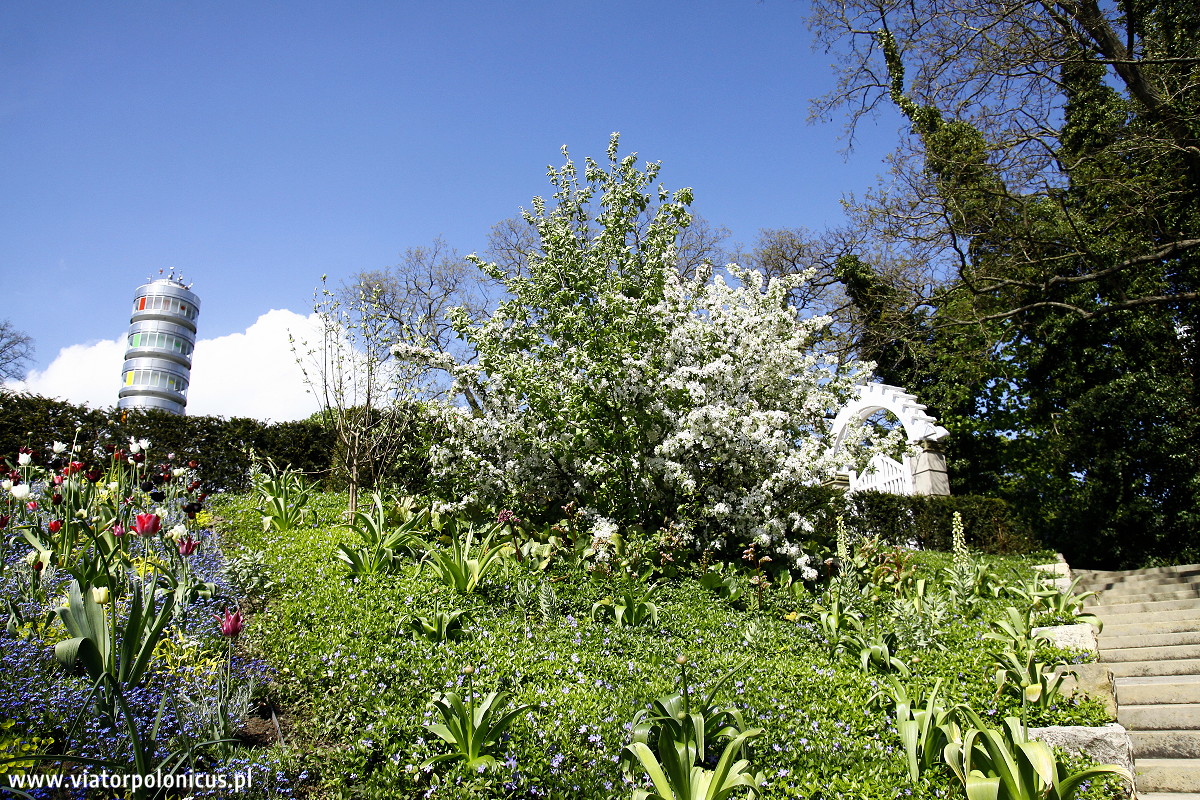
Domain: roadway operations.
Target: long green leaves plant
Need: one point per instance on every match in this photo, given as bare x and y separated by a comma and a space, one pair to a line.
1006, 765
472, 727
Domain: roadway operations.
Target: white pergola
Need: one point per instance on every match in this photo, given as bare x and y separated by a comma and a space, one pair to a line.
924, 473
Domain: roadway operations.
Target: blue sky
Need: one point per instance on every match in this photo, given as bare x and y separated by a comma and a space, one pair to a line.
256, 146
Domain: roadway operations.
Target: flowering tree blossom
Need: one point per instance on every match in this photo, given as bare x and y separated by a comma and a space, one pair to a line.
645, 397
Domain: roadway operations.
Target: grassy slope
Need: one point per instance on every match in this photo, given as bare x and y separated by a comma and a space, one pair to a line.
358, 693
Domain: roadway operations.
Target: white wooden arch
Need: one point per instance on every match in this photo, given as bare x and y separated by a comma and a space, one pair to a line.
923, 474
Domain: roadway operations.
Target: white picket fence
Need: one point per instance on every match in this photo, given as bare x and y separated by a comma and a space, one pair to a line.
884, 474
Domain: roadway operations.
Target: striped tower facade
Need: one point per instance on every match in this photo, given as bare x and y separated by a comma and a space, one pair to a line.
158, 358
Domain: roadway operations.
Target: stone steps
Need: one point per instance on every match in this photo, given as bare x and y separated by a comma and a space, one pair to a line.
1165, 744
1175, 717
1143, 596
1185, 609
1115, 630
1140, 587
1131, 640
1178, 651
1158, 690
1091, 578
1134, 669
1151, 643
1168, 774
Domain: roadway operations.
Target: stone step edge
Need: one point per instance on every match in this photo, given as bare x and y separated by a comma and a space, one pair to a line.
1121, 573
1190, 605
1087, 584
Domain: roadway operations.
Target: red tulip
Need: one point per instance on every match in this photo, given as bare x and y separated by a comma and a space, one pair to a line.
3, 521
55, 525
188, 546
31, 505
147, 524
231, 624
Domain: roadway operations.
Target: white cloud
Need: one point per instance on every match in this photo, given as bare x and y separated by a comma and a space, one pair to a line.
82, 373
250, 374
253, 374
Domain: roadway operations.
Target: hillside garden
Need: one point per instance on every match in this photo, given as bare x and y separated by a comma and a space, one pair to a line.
614, 574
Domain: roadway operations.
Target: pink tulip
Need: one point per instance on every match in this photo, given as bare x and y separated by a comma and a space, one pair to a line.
147, 524
188, 546
118, 530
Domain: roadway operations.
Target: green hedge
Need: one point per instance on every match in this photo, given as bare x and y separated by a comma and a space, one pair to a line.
221, 446
990, 525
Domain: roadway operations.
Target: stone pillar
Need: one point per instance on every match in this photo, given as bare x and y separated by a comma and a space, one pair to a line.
838, 481
929, 471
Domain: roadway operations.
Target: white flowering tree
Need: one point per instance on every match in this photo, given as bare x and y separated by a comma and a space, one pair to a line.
645, 397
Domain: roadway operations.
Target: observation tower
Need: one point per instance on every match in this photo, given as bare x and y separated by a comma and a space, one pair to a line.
162, 335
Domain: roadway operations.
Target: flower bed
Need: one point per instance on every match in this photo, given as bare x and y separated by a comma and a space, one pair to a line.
120, 649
